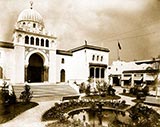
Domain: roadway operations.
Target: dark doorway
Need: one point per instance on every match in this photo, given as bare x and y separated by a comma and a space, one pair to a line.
91, 72
35, 70
62, 75
116, 81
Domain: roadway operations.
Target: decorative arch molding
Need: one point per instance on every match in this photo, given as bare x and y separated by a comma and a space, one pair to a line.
42, 54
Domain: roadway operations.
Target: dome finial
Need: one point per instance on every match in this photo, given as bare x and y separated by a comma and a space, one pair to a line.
31, 2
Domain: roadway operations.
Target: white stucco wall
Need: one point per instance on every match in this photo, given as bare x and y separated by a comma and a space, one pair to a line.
81, 60
67, 66
79, 65
90, 54
7, 63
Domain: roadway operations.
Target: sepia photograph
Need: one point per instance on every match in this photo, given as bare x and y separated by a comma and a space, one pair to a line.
80, 63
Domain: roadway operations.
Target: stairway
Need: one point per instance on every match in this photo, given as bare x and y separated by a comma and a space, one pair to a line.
47, 92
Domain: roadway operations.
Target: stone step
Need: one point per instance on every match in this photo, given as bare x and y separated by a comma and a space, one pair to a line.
47, 90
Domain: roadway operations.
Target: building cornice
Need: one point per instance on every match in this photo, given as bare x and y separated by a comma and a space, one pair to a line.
92, 47
36, 34
148, 61
141, 71
6, 45
97, 65
63, 52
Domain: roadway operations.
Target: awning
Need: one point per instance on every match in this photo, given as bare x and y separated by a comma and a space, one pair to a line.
137, 78
149, 78
97, 65
126, 78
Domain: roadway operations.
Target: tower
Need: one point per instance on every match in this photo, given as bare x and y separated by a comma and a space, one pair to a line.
34, 48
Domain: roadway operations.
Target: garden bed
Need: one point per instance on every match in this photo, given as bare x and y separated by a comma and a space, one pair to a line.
57, 112
98, 97
14, 110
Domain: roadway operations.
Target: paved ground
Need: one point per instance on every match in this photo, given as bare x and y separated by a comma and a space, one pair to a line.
32, 117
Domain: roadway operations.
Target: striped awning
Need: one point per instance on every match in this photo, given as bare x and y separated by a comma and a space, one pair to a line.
149, 78
126, 78
138, 78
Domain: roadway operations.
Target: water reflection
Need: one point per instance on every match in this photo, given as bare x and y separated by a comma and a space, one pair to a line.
90, 117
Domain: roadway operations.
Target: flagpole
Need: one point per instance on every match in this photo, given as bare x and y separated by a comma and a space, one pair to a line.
118, 53
118, 49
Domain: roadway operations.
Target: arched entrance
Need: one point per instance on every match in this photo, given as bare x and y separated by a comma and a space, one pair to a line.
35, 70
62, 75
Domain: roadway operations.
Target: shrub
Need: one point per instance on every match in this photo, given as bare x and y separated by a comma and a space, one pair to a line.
26, 95
124, 90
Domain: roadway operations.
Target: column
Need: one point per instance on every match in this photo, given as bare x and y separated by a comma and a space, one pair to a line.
132, 80
94, 74
122, 81
25, 73
100, 78
46, 68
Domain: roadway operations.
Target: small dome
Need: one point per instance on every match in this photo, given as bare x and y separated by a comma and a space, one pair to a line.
30, 15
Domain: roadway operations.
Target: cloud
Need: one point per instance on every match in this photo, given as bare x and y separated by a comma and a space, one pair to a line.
100, 22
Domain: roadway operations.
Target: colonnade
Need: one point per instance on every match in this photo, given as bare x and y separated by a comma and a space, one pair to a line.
98, 73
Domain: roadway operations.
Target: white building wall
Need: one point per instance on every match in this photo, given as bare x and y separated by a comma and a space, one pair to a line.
104, 60
7, 63
67, 66
118, 67
19, 64
79, 72
52, 66
90, 54
81, 60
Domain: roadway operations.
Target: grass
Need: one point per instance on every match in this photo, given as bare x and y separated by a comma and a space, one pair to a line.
10, 112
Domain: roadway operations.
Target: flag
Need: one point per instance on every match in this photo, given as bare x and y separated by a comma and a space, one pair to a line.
119, 46
86, 42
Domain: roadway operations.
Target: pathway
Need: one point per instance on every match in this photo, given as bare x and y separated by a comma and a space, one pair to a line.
30, 118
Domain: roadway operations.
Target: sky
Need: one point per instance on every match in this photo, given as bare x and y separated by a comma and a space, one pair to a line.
135, 24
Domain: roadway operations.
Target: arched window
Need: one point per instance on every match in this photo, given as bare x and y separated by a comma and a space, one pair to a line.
97, 58
97, 72
32, 40
34, 25
26, 40
37, 41
42, 42
101, 58
19, 37
62, 75
47, 43
93, 57
62, 61
91, 73
102, 73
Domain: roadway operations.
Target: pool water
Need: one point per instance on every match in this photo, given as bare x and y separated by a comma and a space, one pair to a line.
92, 117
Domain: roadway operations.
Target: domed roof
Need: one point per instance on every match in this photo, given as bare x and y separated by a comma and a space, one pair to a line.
30, 15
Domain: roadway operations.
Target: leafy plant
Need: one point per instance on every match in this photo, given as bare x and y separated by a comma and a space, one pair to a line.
26, 95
